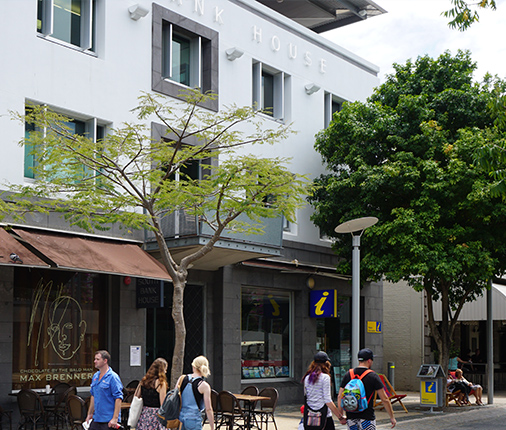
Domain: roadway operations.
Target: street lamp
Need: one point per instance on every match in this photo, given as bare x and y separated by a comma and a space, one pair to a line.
356, 227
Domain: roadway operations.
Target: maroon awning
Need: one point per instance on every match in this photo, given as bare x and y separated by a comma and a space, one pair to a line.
89, 254
9, 245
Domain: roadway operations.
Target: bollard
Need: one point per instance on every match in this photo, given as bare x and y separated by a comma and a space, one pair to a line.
391, 373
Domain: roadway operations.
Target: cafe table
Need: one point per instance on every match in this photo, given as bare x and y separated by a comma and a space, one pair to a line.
125, 408
250, 400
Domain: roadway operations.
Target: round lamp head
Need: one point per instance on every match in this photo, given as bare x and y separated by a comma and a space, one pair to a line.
357, 224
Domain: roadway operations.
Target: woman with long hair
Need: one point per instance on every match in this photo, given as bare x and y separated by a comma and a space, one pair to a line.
196, 396
152, 389
317, 388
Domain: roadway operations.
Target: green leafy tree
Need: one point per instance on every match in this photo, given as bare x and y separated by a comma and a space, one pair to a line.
464, 13
491, 157
406, 157
129, 178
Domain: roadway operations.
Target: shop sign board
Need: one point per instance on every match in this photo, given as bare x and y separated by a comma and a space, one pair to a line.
323, 304
149, 293
373, 327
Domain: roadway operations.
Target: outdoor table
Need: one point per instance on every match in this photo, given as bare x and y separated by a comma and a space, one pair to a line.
125, 409
249, 400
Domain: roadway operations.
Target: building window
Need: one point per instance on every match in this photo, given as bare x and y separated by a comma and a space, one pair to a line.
60, 320
332, 105
265, 333
89, 128
71, 21
269, 90
185, 55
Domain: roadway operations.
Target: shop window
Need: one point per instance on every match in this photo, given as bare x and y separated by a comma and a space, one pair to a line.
89, 128
60, 321
185, 55
70, 21
332, 105
265, 334
269, 91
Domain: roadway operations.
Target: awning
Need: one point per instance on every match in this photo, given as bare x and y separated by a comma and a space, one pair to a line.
88, 254
22, 256
477, 310
295, 267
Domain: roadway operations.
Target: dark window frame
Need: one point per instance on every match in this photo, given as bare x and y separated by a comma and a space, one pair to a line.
210, 50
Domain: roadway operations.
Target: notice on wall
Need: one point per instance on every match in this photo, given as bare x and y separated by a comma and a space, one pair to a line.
373, 327
135, 355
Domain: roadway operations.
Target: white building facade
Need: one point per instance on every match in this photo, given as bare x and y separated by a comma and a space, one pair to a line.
90, 60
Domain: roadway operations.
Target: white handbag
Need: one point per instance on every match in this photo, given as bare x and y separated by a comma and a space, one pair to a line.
135, 411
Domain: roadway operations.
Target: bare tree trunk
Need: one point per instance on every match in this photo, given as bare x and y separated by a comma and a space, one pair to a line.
443, 333
179, 330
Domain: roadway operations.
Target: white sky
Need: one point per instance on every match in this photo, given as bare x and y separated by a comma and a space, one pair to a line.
412, 28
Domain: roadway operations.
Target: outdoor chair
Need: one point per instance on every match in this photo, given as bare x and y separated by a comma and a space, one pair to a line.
31, 410
391, 394
232, 414
7, 414
216, 408
456, 395
267, 407
58, 411
77, 411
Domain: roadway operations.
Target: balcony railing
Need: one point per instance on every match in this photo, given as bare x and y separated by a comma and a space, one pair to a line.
181, 229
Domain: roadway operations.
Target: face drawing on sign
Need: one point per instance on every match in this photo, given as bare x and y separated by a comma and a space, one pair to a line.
66, 327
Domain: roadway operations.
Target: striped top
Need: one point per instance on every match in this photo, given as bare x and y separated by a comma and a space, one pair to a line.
318, 394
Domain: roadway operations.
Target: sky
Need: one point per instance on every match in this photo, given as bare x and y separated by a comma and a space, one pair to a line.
413, 28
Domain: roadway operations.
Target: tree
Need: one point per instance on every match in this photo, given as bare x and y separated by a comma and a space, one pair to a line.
130, 178
406, 157
464, 13
491, 157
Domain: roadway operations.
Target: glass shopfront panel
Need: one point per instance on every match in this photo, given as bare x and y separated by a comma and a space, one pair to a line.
59, 323
265, 333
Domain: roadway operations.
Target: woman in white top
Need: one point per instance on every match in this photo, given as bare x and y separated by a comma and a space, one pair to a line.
317, 387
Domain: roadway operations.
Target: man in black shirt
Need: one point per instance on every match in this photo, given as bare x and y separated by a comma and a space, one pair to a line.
365, 420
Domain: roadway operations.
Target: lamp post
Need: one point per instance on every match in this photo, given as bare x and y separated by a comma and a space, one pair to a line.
356, 227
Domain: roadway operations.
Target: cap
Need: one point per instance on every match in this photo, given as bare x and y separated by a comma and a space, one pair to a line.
365, 354
321, 357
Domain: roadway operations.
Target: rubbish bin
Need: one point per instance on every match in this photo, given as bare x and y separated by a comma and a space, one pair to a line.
432, 385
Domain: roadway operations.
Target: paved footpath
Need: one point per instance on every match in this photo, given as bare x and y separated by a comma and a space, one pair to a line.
418, 418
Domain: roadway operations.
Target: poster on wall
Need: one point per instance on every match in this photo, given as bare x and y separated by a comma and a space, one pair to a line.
57, 327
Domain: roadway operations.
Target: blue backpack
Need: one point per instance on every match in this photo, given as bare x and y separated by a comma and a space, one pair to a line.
353, 398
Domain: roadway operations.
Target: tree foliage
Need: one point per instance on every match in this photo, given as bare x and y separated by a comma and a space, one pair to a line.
464, 13
129, 177
406, 157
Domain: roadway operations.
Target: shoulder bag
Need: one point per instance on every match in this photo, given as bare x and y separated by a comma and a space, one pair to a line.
135, 408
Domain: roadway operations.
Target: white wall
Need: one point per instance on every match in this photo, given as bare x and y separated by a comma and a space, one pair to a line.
106, 84
403, 341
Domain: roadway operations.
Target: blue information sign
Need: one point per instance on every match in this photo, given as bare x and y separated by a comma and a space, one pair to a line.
323, 303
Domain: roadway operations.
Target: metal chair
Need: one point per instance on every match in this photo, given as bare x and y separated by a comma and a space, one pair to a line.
232, 414
31, 409
216, 408
133, 384
5, 413
58, 411
250, 406
267, 407
77, 411
215, 403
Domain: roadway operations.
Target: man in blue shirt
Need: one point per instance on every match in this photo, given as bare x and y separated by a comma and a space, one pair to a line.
106, 395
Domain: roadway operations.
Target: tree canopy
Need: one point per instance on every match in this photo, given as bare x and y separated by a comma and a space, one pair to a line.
464, 13
406, 156
135, 177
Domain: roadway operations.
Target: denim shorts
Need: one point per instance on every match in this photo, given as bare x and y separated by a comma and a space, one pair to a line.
191, 422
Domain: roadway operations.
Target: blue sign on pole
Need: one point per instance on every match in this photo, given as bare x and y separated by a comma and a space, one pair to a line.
323, 303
